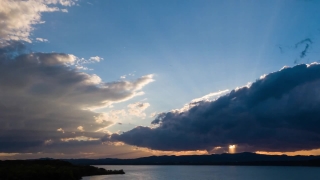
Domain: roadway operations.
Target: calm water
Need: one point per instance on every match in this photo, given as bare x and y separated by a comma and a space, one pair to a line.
211, 173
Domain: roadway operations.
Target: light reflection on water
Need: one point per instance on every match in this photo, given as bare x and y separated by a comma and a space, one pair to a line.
211, 173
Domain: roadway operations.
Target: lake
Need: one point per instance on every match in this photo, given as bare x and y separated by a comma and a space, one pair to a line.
211, 173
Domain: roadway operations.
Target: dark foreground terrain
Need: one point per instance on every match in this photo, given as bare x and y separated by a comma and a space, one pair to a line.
49, 170
240, 159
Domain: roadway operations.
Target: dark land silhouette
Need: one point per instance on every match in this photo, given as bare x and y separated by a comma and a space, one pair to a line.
49, 170
74, 169
247, 159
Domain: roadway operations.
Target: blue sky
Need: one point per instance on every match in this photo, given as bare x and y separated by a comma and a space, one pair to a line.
192, 48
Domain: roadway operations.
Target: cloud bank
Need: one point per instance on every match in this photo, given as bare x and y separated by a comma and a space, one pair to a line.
45, 98
278, 112
47, 101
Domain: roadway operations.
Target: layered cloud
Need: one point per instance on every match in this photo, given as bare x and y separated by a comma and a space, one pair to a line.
137, 109
278, 112
18, 17
45, 98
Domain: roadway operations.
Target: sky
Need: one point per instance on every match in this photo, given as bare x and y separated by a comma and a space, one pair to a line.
127, 79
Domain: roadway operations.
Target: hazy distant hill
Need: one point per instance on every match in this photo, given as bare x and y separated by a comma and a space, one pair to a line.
214, 159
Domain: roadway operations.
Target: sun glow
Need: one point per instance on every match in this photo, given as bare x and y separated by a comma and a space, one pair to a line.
232, 149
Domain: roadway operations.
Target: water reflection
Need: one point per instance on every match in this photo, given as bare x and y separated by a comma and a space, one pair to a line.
210, 173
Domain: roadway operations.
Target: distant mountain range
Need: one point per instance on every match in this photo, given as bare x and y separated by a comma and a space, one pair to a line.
246, 158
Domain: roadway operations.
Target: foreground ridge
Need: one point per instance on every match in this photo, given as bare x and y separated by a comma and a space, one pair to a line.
49, 170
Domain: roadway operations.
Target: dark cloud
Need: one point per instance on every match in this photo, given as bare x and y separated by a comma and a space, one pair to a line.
303, 53
305, 41
45, 99
278, 112
281, 49
307, 44
303, 47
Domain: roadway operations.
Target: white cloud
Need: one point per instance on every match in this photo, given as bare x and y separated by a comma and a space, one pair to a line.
64, 10
80, 62
48, 142
93, 79
18, 17
144, 80
62, 2
154, 114
49, 59
80, 128
113, 116
42, 39
79, 138
60, 130
95, 59
209, 97
137, 109
127, 75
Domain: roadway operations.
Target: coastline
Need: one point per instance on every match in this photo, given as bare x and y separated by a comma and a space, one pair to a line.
49, 169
